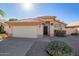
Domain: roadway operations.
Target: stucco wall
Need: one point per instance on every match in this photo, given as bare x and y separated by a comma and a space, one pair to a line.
51, 30
63, 26
8, 29
40, 31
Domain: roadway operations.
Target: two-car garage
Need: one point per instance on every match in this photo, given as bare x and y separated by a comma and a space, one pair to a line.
24, 29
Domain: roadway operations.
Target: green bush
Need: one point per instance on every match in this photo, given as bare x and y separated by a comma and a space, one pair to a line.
60, 33
59, 48
2, 31
74, 34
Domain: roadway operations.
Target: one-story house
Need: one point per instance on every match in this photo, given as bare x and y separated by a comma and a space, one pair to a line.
34, 27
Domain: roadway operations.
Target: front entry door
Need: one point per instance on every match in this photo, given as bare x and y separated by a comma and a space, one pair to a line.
45, 30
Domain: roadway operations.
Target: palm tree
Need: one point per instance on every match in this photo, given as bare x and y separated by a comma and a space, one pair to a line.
2, 13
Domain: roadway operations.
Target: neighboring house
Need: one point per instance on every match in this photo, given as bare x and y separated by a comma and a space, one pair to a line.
34, 27
72, 28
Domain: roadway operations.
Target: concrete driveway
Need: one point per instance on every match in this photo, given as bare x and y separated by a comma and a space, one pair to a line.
15, 46
20, 46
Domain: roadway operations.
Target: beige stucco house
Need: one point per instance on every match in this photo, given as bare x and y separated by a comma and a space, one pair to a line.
34, 27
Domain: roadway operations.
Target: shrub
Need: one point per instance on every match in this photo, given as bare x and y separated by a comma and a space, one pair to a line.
74, 34
58, 48
2, 30
60, 33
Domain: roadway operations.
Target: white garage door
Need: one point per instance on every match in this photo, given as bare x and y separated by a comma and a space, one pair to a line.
25, 31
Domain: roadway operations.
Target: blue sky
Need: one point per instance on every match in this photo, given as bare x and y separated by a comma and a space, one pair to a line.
65, 12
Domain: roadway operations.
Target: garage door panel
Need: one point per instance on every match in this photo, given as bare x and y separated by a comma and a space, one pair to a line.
26, 32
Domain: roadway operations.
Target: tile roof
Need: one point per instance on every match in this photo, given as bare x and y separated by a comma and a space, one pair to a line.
23, 23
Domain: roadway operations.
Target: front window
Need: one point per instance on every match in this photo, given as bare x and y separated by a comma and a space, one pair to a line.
58, 26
